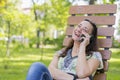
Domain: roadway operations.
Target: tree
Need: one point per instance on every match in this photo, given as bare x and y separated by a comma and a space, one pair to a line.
14, 22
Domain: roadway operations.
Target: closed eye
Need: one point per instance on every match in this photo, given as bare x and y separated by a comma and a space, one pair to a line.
85, 29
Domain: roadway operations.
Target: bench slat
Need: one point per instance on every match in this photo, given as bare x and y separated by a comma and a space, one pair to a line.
101, 76
90, 9
105, 31
102, 43
99, 20
106, 65
106, 54
102, 31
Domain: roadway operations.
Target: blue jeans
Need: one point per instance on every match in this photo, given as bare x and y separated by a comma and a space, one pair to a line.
38, 71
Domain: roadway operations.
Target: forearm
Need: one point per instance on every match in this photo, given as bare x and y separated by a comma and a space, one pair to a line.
55, 72
82, 68
60, 75
54, 62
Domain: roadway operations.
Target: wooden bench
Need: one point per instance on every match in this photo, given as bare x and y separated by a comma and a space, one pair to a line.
103, 16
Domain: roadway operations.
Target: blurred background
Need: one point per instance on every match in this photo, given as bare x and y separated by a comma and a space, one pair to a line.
32, 30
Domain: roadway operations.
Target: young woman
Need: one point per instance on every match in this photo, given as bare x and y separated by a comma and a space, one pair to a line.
78, 61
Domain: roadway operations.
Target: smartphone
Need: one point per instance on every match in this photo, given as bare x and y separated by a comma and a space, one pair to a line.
81, 38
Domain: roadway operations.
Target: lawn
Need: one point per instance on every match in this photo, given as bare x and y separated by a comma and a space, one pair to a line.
15, 67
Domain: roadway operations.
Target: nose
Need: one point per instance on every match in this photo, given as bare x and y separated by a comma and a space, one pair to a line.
79, 29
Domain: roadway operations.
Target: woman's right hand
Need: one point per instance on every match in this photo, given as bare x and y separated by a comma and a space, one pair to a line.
86, 40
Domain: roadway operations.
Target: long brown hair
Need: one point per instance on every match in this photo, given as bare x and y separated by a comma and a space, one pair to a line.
90, 47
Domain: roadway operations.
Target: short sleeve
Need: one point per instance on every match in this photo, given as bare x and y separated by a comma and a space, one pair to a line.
98, 56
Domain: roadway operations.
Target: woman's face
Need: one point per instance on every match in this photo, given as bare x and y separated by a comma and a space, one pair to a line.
84, 26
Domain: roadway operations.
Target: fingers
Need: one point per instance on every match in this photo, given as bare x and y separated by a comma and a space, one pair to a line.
86, 34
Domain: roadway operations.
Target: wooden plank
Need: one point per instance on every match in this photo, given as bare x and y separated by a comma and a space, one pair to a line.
66, 41
69, 30
104, 43
100, 76
106, 54
106, 65
102, 31
91, 9
105, 31
99, 20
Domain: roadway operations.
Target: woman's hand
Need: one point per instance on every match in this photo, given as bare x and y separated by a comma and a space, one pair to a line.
84, 79
86, 40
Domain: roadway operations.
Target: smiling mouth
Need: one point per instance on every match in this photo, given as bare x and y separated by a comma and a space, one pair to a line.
76, 33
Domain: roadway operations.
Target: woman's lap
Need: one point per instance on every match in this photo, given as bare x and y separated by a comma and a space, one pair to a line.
38, 71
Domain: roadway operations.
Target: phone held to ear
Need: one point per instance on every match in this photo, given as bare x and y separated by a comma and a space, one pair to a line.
82, 38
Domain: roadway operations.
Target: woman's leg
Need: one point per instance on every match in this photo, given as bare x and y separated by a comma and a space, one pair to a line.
38, 71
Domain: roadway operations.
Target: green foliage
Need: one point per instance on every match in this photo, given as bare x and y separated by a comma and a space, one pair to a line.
32, 41
116, 44
48, 41
59, 42
55, 14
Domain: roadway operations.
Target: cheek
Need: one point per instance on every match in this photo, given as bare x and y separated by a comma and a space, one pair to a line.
74, 37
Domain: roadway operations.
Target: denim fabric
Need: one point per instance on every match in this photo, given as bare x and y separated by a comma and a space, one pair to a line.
38, 71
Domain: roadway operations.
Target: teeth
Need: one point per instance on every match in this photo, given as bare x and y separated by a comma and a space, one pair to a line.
76, 33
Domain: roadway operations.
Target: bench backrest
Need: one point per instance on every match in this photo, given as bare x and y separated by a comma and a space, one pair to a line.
103, 16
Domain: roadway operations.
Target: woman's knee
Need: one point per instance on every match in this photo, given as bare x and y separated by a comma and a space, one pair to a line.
35, 71
36, 67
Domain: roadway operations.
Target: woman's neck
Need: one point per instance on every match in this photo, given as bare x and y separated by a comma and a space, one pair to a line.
75, 49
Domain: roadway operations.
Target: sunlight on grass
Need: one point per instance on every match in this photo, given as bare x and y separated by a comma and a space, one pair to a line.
27, 57
1, 59
37, 57
114, 60
20, 63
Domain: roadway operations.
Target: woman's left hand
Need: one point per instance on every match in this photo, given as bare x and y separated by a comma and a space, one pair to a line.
84, 79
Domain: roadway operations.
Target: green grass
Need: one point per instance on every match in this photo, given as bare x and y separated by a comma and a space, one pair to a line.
16, 66
114, 65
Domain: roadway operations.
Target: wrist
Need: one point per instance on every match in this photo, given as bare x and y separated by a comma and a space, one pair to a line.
75, 77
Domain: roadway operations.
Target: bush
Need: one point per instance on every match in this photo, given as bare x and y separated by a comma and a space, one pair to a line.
116, 44
59, 42
32, 41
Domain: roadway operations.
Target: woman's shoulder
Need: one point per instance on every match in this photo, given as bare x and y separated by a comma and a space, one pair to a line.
97, 55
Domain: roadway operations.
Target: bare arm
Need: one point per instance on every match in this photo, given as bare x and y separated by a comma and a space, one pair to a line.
55, 72
85, 67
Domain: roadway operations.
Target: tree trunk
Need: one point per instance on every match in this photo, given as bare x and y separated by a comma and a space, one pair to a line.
92, 2
8, 41
36, 18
